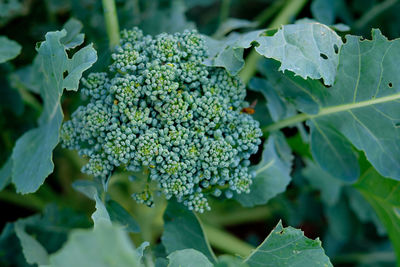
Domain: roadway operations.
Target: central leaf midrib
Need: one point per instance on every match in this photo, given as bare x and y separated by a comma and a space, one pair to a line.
328, 111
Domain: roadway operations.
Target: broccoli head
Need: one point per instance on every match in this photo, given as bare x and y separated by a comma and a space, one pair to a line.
159, 108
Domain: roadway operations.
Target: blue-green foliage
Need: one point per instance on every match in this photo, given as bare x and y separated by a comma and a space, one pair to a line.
161, 110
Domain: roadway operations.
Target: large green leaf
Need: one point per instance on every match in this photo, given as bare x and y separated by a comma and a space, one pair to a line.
361, 109
9, 49
108, 211
33, 251
288, 247
37, 236
272, 173
307, 48
182, 230
188, 258
32, 154
102, 247
363, 105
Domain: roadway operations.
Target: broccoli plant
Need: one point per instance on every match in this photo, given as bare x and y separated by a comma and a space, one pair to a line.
159, 109
192, 138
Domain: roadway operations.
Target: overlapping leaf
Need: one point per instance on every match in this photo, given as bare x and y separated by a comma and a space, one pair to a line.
32, 155
309, 49
384, 196
9, 49
272, 173
182, 230
105, 246
361, 109
288, 247
189, 258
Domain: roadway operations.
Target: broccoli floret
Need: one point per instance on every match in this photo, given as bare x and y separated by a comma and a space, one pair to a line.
159, 109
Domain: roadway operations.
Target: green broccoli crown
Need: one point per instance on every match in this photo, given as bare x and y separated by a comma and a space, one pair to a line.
158, 107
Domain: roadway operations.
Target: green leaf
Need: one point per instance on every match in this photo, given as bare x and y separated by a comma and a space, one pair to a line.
119, 215
305, 95
100, 216
277, 107
272, 173
230, 261
361, 109
102, 247
10, 248
73, 37
37, 145
233, 24
9, 49
182, 230
33, 251
93, 190
363, 104
228, 53
324, 11
329, 186
384, 196
333, 152
288, 247
39, 235
307, 49
188, 258
371, 181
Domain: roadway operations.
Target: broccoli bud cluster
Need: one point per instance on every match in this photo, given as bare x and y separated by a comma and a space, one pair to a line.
159, 108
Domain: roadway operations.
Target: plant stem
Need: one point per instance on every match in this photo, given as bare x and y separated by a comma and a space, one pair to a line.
224, 12
27, 201
291, 121
111, 19
239, 216
227, 242
327, 111
269, 12
291, 9
373, 13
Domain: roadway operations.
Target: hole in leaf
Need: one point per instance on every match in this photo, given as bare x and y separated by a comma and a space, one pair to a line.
65, 74
336, 48
323, 56
281, 232
390, 85
396, 124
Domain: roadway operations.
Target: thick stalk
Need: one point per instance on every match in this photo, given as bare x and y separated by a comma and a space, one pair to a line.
111, 20
373, 13
240, 216
226, 242
291, 9
224, 12
327, 111
269, 12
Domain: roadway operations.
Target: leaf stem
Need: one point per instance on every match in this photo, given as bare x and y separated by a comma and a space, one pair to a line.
111, 20
373, 13
269, 12
327, 111
224, 12
226, 242
31, 202
289, 11
239, 216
